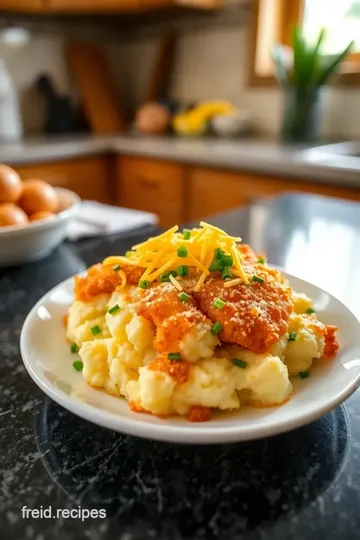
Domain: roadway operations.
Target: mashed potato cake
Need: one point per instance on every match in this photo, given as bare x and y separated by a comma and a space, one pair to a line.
188, 323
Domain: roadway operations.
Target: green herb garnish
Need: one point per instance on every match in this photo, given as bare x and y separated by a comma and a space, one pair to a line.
218, 252
165, 277
304, 374
96, 330
182, 252
240, 363
73, 348
186, 234
114, 309
216, 329
227, 260
257, 279
310, 310
117, 267
292, 336
144, 284
183, 297
78, 365
261, 260
215, 266
183, 270
225, 274
174, 356
218, 303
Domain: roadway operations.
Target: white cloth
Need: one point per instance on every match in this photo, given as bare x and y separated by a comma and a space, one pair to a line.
97, 219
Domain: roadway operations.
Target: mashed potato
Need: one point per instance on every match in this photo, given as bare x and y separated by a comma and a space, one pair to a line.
117, 344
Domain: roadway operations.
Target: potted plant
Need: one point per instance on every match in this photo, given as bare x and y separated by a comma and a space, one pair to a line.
302, 71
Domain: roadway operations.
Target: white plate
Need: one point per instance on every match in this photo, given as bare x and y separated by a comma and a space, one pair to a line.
48, 360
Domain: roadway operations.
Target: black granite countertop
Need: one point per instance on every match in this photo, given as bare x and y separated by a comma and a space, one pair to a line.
301, 485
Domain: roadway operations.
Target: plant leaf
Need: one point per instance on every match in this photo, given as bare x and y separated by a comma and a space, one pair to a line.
281, 74
300, 73
331, 67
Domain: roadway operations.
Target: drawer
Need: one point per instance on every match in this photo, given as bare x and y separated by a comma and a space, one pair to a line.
153, 186
89, 177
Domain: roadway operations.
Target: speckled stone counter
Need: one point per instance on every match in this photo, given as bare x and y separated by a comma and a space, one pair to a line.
303, 485
270, 158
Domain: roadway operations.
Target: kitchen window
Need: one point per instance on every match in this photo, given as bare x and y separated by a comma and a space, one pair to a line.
273, 21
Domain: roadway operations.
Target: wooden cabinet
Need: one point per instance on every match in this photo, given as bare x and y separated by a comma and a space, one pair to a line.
93, 6
212, 191
153, 186
88, 177
21, 5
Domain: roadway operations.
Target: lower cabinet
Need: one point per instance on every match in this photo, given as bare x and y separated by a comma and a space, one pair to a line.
212, 191
154, 186
88, 177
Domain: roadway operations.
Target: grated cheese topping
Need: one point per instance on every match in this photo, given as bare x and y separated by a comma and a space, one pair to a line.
160, 254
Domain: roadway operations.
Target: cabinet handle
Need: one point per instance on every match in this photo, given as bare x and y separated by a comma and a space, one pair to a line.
147, 183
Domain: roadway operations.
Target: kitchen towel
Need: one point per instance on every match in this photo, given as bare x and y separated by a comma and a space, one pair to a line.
97, 219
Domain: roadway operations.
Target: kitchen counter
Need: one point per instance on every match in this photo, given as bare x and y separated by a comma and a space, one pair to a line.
269, 158
302, 485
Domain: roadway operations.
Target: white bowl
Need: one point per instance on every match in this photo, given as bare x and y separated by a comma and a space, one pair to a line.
36, 240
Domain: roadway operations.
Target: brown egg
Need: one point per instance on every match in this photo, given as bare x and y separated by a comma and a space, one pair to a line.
10, 214
10, 185
41, 215
38, 196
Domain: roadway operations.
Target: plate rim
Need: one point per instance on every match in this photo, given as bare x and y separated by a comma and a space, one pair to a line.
177, 433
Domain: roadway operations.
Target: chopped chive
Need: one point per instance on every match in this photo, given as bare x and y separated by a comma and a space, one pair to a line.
240, 363
292, 336
183, 270
227, 260
186, 234
182, 252
114, 309
96, 330
165, 277
78, 365
225, 274
174, 356
215, 266
257, 279
128, 254
144, 284
261, 260
117, 267
310, 311
73, 348
216, 329
218, 252
183, 297
218, 303
304, 374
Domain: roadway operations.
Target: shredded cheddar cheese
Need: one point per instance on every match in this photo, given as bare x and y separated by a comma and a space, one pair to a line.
176, 284
170, 250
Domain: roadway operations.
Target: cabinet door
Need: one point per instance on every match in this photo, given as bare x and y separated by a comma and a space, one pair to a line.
153, 186
88, 177
213, 191
93, 5
22, 5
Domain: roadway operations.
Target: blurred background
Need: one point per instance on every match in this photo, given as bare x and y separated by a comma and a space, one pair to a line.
171, 106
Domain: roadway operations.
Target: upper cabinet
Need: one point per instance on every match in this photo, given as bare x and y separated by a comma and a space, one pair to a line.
92, 6
21, 5
101, 6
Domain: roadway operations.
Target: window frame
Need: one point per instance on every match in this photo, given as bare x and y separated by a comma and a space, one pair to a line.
287, 14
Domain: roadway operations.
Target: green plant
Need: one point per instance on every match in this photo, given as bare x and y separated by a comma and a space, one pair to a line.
310, 68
